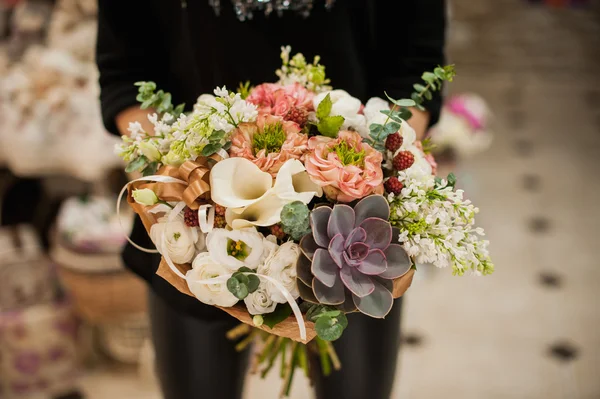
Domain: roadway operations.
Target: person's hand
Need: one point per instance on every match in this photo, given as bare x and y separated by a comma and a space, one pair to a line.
420, 122
134, 114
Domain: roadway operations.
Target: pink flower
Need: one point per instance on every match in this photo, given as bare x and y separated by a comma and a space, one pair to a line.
345, 167
274, 99
269, 142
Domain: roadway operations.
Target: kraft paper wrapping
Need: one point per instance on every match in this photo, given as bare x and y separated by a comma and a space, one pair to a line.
287, 328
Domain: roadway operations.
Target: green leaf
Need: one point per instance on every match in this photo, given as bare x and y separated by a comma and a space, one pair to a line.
330, 313
281, 312
330, 126
245, 269
240, 291
210, 149
391, 128
440, 73
150, 169
394, 115
401, 103
419, 87
405, 113
428, 95
324, 108
178, 110
227, 146
328, 328
218, 135
253, 283
428, 77
137, 164
451, 180
242, 278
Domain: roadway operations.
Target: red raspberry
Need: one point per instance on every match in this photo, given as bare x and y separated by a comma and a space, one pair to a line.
220, 222
190, 217
393, 185
394, 142
219, 210
298, 115
277, 231
403, 160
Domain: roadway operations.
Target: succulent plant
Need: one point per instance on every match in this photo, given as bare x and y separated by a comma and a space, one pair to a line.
349, 259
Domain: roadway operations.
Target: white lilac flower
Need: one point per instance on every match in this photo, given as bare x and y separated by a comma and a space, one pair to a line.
281, 265
205, 268
436, 226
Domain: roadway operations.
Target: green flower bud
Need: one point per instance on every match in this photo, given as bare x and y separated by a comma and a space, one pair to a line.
150, 151
145, 196
258, 320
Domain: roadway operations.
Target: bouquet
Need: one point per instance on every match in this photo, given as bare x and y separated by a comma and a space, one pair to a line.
290, 204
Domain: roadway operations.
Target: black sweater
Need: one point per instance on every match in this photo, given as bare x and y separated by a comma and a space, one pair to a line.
367, 46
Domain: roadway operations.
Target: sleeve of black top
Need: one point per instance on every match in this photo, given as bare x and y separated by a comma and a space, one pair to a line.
410, 39
125, 53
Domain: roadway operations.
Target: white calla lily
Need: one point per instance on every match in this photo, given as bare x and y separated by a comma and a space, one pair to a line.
292, 184
237, 182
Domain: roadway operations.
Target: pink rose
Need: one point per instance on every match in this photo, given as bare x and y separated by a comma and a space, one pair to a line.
345, 167
269, 142
274, 99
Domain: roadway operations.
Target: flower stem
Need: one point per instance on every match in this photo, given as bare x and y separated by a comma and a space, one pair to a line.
165, 203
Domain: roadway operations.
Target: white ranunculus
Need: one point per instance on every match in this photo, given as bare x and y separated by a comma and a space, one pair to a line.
421, 168
253, 247
373, 109
205, 268
408, 134
343, 104
260, 302
175, 239
281, 265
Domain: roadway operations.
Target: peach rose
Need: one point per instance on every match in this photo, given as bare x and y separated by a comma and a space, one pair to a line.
345, 167
269, 142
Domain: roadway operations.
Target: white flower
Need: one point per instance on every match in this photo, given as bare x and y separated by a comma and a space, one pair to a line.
281, 265
144, 196
205, 268
343, 104
238, 248
373, 109
150, 150
258, 203
260, 302
175, 239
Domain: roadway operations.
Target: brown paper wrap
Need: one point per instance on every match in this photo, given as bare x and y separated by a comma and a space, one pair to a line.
198, 191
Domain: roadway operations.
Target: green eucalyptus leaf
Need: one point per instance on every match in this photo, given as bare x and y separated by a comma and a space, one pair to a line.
244, 269
281, 312
137, 164
238, 290
394, 115
330, 125
401, 103
391, 128
451, 180
150, 169
242, 278
253, 282
328, 328
428, 95
405, 114
428, 77
324, 108
419, 87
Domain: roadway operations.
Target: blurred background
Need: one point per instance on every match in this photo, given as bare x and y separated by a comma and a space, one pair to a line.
521, 130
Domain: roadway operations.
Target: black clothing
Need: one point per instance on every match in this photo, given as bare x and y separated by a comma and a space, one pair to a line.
194, 359
367, 46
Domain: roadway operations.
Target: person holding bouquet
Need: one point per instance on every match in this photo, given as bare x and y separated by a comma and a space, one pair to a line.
190, 47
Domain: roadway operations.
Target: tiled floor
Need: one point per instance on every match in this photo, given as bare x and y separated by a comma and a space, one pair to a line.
532, 329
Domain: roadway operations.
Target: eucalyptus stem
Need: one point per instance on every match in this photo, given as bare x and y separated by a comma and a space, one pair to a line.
243, 344
268, 345
274, 351
291, 368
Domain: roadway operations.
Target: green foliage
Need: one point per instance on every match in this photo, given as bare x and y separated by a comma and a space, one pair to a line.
158, 100
137, 164
432, 82
215, 143
243, 282
451, 179
295, 220
281, 312
244, 89
348, 155
330, 323
328, 125
271, 139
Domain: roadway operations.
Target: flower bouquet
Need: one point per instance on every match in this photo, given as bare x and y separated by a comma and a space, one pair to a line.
289, 205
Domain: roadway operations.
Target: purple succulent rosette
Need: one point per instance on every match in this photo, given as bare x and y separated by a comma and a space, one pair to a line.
349, 260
